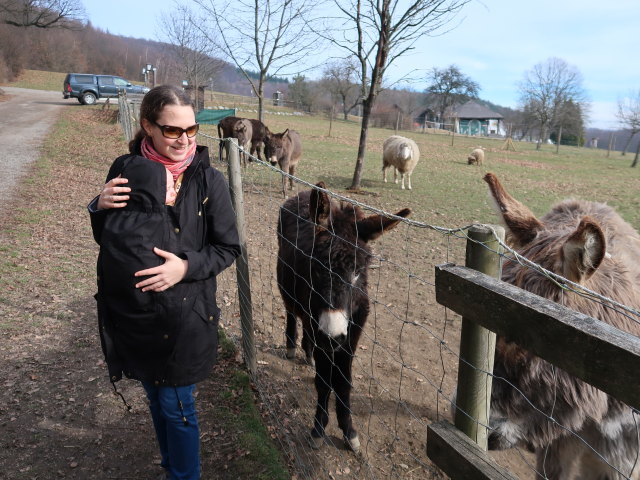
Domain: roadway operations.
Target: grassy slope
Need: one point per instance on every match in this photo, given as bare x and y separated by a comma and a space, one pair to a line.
448, 192
39, 80
445, 189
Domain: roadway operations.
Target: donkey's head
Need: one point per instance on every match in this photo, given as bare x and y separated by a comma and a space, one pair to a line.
568, 242
274, 145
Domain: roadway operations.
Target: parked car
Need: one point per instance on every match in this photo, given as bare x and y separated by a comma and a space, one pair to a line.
88, 88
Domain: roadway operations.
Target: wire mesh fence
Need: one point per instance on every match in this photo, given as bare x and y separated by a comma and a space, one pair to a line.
404, 371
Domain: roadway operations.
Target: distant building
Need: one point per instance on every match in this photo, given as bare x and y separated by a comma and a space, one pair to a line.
428, 118
471, 118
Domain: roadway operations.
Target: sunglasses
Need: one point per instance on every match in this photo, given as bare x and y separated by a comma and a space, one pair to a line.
169, 131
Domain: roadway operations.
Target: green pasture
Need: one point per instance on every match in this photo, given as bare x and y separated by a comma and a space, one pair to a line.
39, 80
448, 192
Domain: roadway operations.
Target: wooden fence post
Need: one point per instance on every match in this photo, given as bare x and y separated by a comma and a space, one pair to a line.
477, 344
242, 262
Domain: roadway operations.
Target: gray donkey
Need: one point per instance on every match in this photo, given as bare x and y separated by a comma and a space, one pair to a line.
589, 244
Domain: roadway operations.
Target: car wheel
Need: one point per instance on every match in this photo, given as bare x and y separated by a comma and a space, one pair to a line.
88, 98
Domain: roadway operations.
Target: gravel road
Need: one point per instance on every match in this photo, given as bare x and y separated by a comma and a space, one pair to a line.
25, 118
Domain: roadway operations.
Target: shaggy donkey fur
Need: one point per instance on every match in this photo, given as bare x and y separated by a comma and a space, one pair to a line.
590, 244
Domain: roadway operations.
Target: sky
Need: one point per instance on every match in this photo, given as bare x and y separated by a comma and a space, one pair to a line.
494, 43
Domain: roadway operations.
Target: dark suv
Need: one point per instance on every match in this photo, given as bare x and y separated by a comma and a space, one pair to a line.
87, 88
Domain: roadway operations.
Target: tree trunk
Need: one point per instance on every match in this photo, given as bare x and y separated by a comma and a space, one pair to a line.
261, 99
362, 146
624, 150
635, 159
331, 119
559, 139
611, 137
345, 111
540, 135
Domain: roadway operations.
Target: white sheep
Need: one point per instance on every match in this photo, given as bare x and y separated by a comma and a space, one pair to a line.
476, 157
402, 154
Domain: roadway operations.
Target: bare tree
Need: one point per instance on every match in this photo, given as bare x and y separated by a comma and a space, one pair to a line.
569, 124
546, 89
192, 49
629, 117
450, 86
376, 33
42, 13
339, 79
264, 37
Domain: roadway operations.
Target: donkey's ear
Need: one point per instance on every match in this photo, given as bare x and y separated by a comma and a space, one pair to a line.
319, 206
285, 133
521, 222
373, 226
583, 251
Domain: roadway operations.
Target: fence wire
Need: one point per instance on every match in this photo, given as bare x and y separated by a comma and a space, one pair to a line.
405, 369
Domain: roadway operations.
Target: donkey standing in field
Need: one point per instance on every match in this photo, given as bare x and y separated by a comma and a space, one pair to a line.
589, 244
323, 259
285, 150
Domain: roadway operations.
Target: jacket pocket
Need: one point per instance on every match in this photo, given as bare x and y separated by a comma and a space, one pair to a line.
197, 346
207, 311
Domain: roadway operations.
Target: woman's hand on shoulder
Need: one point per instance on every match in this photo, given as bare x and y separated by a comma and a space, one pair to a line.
163, 276
112, 196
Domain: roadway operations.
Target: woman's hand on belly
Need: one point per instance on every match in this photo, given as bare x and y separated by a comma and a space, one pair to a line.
163, 276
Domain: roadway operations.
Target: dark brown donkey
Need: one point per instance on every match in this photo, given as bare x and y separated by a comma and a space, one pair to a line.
589, 244
323, 259
255, 133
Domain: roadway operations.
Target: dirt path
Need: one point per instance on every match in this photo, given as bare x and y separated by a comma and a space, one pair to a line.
25, 118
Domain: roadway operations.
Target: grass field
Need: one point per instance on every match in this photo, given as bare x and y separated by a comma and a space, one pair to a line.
445, 189
40, 80
448, 192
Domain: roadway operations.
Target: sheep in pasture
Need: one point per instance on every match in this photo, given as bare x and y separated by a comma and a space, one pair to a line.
476, 157
402, 154
573, 428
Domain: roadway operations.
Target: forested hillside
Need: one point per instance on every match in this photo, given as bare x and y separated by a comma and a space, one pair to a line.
88, 49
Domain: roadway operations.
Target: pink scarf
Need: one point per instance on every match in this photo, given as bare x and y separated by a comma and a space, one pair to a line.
176, 168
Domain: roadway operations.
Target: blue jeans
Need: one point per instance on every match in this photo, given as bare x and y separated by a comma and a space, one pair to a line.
173, 411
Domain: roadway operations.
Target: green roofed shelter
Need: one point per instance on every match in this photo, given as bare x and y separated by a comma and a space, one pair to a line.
472, 118
209, 116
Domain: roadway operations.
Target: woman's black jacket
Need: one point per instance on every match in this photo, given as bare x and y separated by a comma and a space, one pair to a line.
168, 338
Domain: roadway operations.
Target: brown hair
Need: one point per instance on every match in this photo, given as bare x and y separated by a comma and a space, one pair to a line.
153, 103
